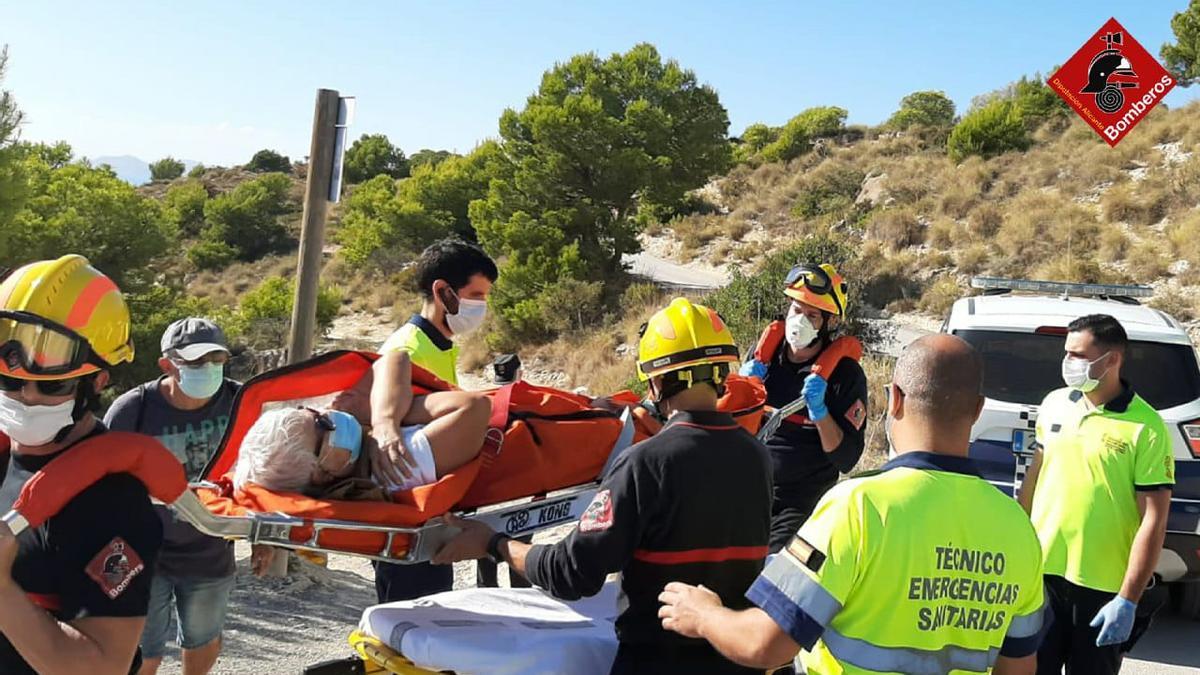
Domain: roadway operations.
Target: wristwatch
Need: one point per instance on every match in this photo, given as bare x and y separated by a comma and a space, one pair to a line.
493, 547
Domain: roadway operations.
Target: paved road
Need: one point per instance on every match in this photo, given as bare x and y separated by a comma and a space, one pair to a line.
673, 274
1172, 647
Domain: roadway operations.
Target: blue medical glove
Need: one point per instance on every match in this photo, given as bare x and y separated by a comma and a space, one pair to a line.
1115, 621
814, 397
753, 368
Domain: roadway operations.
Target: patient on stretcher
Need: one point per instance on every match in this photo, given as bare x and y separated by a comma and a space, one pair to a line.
354, 449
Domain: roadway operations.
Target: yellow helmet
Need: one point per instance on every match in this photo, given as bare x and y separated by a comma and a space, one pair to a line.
683, 336
819, 286
61, 319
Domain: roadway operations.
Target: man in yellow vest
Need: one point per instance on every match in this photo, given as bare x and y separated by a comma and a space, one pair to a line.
1098, 492
455, 278
920, 567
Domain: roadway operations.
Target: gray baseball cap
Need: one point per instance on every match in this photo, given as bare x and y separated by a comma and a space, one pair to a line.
193, 338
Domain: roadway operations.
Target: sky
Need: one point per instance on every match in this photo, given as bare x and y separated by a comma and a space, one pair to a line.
215, 81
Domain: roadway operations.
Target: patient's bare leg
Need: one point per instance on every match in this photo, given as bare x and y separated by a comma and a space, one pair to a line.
455, 422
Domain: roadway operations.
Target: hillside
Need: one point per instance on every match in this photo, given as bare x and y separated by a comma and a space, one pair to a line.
1069, 209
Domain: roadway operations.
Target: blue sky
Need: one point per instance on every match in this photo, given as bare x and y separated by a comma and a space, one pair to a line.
216, 80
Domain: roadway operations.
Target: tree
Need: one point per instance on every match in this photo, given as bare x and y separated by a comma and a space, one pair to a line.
598, 140
183, 205
1032, 97
197, 171
266, 311
167, 168
1183, 57
269, 161
382, 229
247, 218
425, 156
996, 128
932, 109
80, 209
373, 155
11, 183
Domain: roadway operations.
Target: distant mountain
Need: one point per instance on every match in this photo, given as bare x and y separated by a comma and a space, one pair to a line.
134, 170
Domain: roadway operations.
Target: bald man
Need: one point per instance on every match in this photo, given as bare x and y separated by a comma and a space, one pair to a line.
919, 567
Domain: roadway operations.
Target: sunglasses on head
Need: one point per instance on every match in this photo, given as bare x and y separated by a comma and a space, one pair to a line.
44, 387
322, 420
815, 279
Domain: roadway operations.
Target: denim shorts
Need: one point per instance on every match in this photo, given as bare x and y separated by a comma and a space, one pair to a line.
197, 606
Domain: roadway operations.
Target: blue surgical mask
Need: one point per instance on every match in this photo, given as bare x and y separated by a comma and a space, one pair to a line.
201, 382
347, 433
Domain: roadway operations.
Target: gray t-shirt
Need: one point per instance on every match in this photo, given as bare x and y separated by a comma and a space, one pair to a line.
193, 436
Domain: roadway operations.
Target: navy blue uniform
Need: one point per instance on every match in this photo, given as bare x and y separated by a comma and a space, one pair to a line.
95, 558
803, 472
690, 504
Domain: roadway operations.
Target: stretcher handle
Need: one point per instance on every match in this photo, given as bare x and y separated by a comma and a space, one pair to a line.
80, 467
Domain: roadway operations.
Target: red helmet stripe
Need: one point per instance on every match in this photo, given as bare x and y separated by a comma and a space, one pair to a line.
88, 300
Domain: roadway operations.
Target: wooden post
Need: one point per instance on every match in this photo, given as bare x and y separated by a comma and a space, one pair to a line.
312, 233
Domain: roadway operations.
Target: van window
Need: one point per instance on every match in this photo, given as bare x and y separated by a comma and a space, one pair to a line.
1024, 367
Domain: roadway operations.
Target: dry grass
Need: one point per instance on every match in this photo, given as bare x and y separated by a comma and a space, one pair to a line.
985, 220
940, 295
1113, 245
897, 228
1136, 204
225, 287
1147, 262
1173, 302
1185, 239
974, 259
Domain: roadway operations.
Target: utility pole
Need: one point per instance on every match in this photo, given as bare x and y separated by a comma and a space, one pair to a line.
312, 234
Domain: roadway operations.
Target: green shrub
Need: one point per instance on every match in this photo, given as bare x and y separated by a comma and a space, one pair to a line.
247, 217
269, 161
167, 168
183, 205
795, 138
383, 230
923, 109
197, 171
996, 128
211, 255
267, 311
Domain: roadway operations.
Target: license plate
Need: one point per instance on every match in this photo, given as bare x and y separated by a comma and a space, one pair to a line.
1022, 441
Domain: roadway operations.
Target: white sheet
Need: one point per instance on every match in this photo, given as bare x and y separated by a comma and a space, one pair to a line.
501, 631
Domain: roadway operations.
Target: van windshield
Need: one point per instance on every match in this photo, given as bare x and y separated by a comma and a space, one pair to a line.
1024, 367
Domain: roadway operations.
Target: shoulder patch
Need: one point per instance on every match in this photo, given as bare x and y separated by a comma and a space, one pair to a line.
857, 414
115, 567
599, 514
805, 553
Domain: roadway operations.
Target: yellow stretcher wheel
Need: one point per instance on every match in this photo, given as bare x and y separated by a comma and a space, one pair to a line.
381, 658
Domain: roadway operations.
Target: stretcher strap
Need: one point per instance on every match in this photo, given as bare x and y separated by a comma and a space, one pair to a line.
493, 440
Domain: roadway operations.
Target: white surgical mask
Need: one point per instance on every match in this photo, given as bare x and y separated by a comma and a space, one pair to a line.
800, 332
1077, 373
201, 382
470, 316
34, 425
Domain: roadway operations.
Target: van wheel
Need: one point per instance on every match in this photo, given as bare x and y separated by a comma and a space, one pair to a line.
1187, 598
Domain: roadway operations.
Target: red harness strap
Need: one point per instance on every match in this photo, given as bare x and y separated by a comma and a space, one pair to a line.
493, 440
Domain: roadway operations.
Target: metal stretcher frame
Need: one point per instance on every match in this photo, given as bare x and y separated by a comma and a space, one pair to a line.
518, 517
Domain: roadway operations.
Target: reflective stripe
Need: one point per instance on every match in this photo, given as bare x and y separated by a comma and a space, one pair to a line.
1028, 625
863, 654
785, 574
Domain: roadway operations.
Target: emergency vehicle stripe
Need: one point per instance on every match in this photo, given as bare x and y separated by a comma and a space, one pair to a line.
801, 589
701, 555
863, 654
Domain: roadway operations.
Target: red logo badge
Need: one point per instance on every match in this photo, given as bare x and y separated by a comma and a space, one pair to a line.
857, 414
599, 514
1112, 82
115, 567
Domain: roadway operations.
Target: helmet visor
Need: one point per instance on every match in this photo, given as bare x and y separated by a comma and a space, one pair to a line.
813, 278
39, 346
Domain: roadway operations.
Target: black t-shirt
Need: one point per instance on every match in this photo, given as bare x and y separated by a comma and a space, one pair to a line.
690, 504
193, 436
802, 470
95, 558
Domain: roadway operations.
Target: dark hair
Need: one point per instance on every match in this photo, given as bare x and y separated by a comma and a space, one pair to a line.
1106, 331
455, 262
